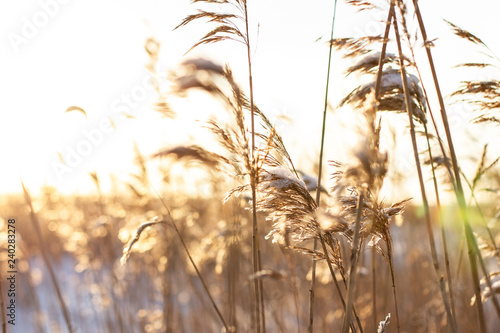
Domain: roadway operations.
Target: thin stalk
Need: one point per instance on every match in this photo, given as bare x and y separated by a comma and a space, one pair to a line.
480, 256
351, 280
390, 19
394, 294
483, 220
436, 187
358, 321
419, 172
219, 313
382, 52
311, 290
374, 288
460, 253
45, 256
377, 93
436, 190
234, 255
257, 265
472, 250
449, 276
320, 171
330, 267
443, 235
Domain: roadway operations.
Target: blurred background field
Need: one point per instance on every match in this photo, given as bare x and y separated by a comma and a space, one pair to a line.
158, 290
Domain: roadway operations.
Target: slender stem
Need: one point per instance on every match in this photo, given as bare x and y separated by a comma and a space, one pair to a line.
394, 294
451, 310
419, 168
377, 94
384, 48
311, 290
320, 171
480, 257
374, 288
438, 201
472, 250
45, 256
257, 265
351, 281
334, 277
219, 313
453, 323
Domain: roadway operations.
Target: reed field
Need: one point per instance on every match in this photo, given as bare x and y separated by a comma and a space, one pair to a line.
233, 231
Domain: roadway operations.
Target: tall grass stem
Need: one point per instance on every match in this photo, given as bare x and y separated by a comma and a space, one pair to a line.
320, 168
45, 256
257, 265
472, 250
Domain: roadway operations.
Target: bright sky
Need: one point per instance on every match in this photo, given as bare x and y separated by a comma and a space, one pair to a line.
55, 54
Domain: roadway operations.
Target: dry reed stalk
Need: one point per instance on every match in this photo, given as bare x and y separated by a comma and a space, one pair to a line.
254, 183
444, 160
377, 94
443, 235
388, 94
368, 217
374, 286
233, 266
320, 171
381, 62
450, 310
417, 159
45, 256
472, 188
228, 29
472, 250
374, 218
494, 249
354, 261
373, 222
378, 84
489, 91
